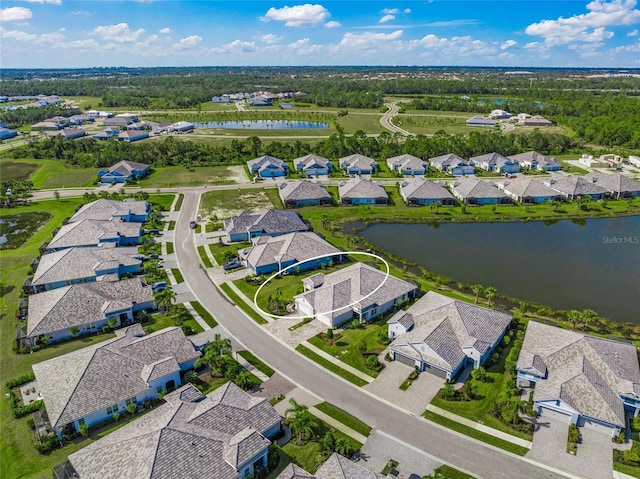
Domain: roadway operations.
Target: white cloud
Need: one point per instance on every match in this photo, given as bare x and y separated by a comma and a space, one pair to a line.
17, 35
298, 16
51, 38
52, 2
119, 33
303, 47
386, 18
236, 46
165, 31
587, 27
270, 38
189, 42
508, 44
80, 12
12, 14
407, 10
633, 33
89, 44
390, 11
333, 24
365, 39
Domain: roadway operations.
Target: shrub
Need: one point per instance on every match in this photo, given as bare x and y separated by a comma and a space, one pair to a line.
373, 363
448, 392
362, 347
84, 429
480, 374
574, 433
20, 411
116, 416
25, 378
47, 444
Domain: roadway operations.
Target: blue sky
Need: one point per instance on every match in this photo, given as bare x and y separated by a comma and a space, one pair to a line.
562, 33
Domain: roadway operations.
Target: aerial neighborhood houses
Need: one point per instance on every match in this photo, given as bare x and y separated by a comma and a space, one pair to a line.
497, 117
295, 194
420, 191
272, 222
478, 192
408, 165
361, 191
123, 171
268, 167
358, 164
313, 165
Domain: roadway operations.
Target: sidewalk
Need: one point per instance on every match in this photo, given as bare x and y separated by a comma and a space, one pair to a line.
480, 427
337, 362
249, 302
196, 316
251, 368
338, 425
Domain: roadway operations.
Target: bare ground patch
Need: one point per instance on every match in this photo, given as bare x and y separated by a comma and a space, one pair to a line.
226, 204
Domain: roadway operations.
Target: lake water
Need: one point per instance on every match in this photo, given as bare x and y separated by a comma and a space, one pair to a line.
563, 265
263, 125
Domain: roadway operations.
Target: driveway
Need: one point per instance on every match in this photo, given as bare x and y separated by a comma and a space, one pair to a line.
594, 459
414, 399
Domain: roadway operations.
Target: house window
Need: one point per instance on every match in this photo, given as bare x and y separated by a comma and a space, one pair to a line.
80, 421
112, 409
132, 400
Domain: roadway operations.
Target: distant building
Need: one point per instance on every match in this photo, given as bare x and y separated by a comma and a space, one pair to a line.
481, 121
123, 171
5, 133
408, 165
358, 164
453, 165
182, 127
132, 135
72, 133
268, 167
313, 165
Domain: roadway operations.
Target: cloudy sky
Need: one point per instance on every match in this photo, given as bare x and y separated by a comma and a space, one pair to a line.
559, 33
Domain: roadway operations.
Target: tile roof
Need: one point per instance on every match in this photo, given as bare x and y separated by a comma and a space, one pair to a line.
339, 467
491, 159
78, 263
266, 161
358, 161
270, 221
92, 233
528, 187
302, 190
79, 304
296, 247
472, 188
407, 162
295, 472
421, 188
104, 209
586, 372
349, 286
446, 326
166, 443
575, 186
447, 160
359, 187
309, 161
615, 183
529, 157
93, 378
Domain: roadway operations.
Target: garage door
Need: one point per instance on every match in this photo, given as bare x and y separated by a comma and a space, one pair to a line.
596, 426
547, 413
435, 371
405, 360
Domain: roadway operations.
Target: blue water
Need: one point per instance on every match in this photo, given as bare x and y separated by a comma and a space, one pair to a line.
563, 265
263, 124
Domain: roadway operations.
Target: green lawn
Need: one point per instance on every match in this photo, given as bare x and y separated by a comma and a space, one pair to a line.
172, 176
17, 170
161, 202
172, 225
177, 274
178, 202
169, 247
56, 174
179, 314
343, 373
256, 363
242, 305
204, 314
626, 469
448, 472
360, 120
220, 249
203, 256
345, 418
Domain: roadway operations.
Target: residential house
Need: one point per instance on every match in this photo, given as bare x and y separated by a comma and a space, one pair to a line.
452, 164
221, 99
84, 265
129, 116
358, 291
499, 115
117, 121
99, 114
358, 164
496, 162
313, 165
182, 127
72, 133
47, 125
106, 134
224, 435
335, 467
580, 379
87, 306
95, 233
269, 254
6, 134
529, 190
408, 165
90, 385
129, 210
443, 335
122, 171
479, 192
268, 167
132, 135
295, 194
360, 191
536, 161
618, 185
572, 187
536, 121
420, 191
272, 222
481, 121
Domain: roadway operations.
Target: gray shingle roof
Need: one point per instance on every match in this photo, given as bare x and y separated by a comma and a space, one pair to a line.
406, 162
126, 167
165, 443
302, 190
293, 246
104, 209
575, 186
447, 160
79, 304
615, 183
93, 378
420, 188
358, 161
309, 161
527, 187
491, 159
471, 188
446, 326
339, 467
92, 233
360, 188
76, 263
295, 472
529, 157
348, 285
270, 221
266, 162
586, 372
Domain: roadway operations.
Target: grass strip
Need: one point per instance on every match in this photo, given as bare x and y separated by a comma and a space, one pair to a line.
344, 417
179, 202
352, 378
203, 256
256, 363
626, 469
451, 473
253, 314
172, 225
204, 314
474, 433
177, 275
170, 249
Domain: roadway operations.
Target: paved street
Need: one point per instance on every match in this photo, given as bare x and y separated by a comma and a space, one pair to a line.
484, 460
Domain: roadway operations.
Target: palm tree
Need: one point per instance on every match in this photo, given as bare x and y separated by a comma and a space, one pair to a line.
343, 446
164, 299
574, 316
588, 315
491, 293
300, 421
477, 290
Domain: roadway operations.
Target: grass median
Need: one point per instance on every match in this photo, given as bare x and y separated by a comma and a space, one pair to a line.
256, 363
177, 275
334, 368
203, 256
345, 418
204, 314
252, 313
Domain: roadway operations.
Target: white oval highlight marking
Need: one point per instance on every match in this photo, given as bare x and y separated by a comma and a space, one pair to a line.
354, 253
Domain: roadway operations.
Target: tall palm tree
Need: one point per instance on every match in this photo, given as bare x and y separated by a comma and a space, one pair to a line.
588, 315
300, 421
164, 299
477, 290
491, 293
574, 316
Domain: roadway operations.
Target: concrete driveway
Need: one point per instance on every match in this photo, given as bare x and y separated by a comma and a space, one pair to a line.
594, 459
414, 399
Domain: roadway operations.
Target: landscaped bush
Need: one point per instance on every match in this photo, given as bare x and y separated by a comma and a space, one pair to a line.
25, 378
47, 444
573, 437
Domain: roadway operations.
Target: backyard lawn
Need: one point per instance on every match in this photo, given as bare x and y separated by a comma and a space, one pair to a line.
17, 170
56, 174
172, 176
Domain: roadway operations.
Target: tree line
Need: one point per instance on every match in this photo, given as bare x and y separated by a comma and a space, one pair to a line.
29, 116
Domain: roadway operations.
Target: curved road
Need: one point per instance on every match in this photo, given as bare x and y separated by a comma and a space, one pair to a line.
448, 446
385, 121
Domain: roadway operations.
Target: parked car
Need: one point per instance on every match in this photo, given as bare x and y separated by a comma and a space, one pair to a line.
154, 256
193, 225
234, 264
159, 286
510, 176
153, 231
